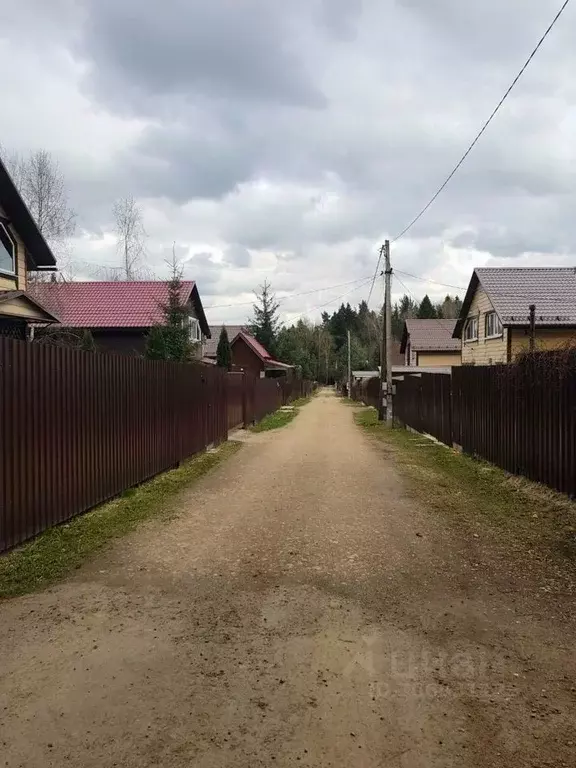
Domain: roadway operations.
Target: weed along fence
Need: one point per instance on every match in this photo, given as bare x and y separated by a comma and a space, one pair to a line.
78, 428
520, 417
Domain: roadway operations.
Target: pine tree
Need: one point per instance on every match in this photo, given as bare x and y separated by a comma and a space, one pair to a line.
224, 351
426, 309
265, 324
170, 340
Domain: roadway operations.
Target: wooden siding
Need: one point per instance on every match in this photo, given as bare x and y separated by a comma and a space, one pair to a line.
546, 339
21, 308
8, 283
484, 351
443, 359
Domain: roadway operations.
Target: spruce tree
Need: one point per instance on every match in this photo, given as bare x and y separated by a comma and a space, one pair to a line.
224, 351
265, 324
170, 340
426, 309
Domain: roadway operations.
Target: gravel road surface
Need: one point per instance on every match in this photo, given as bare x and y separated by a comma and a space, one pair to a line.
299, 610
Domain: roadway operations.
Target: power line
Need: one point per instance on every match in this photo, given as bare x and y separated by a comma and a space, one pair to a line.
514, 293
292, 295
438, 319
331, 301
429, 280
485, 126
376, 271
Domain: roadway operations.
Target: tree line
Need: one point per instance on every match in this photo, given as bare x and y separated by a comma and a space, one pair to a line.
320, 350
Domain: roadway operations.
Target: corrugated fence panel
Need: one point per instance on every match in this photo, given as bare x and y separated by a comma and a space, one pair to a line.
519, 417
79, 428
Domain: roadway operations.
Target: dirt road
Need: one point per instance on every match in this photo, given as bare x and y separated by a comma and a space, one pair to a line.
300, 611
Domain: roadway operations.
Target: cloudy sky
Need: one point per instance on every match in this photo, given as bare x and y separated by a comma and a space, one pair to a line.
286, 140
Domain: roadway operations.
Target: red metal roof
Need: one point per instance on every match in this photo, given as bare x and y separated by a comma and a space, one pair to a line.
260, 350
102, 304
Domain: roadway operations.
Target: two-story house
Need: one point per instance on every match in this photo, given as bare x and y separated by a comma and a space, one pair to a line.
22, 249
494, 324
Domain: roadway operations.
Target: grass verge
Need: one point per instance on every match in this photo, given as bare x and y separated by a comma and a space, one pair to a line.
280, 418
274, 421
59, 550
471, 492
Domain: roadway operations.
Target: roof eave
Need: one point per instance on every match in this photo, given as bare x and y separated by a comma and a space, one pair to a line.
472, 288
39, 255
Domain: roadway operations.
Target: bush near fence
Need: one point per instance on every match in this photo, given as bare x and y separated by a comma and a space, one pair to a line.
520, 417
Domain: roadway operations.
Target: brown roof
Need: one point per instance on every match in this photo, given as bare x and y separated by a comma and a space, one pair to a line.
212, 345
511, 290
430, 336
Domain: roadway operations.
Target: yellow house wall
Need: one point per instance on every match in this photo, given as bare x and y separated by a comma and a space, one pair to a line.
21, 308
554, 338
484, 351
8, 283
432, 359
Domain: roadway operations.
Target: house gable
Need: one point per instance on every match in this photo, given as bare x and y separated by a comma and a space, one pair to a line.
21, 306
483, 350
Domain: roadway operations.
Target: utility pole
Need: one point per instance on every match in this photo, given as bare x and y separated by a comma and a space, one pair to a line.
349, 368
385, 412
381, 409
532, 327
388, 324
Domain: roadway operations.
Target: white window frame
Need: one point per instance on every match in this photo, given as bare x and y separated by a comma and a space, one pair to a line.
8, 236
498, 325
194, 329
469, 323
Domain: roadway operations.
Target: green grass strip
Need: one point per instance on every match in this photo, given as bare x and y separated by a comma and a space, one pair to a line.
58, 551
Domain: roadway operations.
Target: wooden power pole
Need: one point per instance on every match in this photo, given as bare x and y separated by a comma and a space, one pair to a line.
385, 409
532, 327
349, 368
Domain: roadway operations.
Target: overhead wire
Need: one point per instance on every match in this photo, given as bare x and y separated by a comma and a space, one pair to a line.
292, 295
485, 125
331, 301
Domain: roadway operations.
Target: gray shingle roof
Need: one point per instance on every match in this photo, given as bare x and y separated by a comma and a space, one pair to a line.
212, 344
431, 336
512, 290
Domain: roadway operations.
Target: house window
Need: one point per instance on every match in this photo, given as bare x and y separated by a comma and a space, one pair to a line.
194, 329
7, 251
493, 326
471, 329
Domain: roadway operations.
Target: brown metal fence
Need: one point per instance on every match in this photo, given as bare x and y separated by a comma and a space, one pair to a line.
367, 391
424, 403
250, 398
235, 395
79, 428
519, 417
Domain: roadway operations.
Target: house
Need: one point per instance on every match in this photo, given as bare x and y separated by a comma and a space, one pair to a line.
249, 355
494, 323
211, 346
120, 314
430, 343
22, 249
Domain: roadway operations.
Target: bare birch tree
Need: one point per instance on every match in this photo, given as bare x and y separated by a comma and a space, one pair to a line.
131, 237
43, 188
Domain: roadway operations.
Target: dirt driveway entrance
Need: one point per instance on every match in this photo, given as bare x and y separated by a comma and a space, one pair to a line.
301, 610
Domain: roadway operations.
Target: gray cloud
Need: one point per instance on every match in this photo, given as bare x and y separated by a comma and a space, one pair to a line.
287, 139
